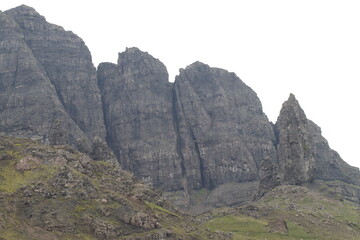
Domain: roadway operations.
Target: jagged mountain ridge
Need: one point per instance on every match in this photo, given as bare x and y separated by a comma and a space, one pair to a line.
203, 131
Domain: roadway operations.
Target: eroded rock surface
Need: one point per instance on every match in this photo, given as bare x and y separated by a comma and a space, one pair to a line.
66, 62
29, 105
137, 100
205, 133
329, 165
223, 133
295, 144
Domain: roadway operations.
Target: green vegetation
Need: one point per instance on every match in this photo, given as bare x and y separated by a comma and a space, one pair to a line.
242, 227
73, 200
13, 179
305, 215
157, 208
54, 192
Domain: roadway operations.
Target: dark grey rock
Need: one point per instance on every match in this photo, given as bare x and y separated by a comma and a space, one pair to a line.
223, 133
304, 154
29, 106
66, 62
295, 144
137, 101
329, 165
101, 152
204, 133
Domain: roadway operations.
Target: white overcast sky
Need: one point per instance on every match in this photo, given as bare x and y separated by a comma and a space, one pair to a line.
310, 48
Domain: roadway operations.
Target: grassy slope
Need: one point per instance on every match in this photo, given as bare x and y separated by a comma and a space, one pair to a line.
77, 199
66, 195
290, 212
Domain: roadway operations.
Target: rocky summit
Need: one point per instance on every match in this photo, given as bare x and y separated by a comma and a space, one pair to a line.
202, 139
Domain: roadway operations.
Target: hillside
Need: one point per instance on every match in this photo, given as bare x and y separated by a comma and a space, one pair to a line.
55, 192
292, 213
59, 193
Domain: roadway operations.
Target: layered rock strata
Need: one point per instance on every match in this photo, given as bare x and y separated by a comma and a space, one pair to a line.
137, 103
295, 145
223, 134
67, 63
29, 105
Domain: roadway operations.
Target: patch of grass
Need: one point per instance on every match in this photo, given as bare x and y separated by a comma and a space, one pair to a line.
84, 206
198, 196
80, 236
12, 153
248, 228
9, 234
12, 179
296, 231
153, 206
242, 227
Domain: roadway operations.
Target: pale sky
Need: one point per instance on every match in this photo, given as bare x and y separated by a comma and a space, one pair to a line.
310, 48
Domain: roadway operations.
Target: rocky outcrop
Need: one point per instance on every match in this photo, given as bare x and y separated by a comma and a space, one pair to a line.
66, 62
102, 152
206, 129
224, 136
29, 106
204, 136
329, 165
304, 154
295, 144
137, 103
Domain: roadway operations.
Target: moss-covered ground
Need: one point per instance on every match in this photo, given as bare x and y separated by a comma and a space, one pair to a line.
305, 214
70, 196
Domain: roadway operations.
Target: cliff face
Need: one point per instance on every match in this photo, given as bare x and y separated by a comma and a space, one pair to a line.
137, 100
329, 165
67, 63
206, 131
29, 105
295, 144
223, 135
304, 154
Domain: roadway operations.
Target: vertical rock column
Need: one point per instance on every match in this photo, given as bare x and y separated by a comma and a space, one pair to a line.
295, 144
223, 131
137, 102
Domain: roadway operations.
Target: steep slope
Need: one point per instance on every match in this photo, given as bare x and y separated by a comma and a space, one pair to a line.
203, 139
68, 65
203, 131
329, 165
295, 144
137, 101
224, 136
29, 105
304, 154
58, 193
305, 158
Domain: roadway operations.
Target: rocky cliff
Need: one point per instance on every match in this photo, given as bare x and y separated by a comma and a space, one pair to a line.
304, 154
67, 63
221, 126
137, 101
29, 104
204, 139
295, 144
